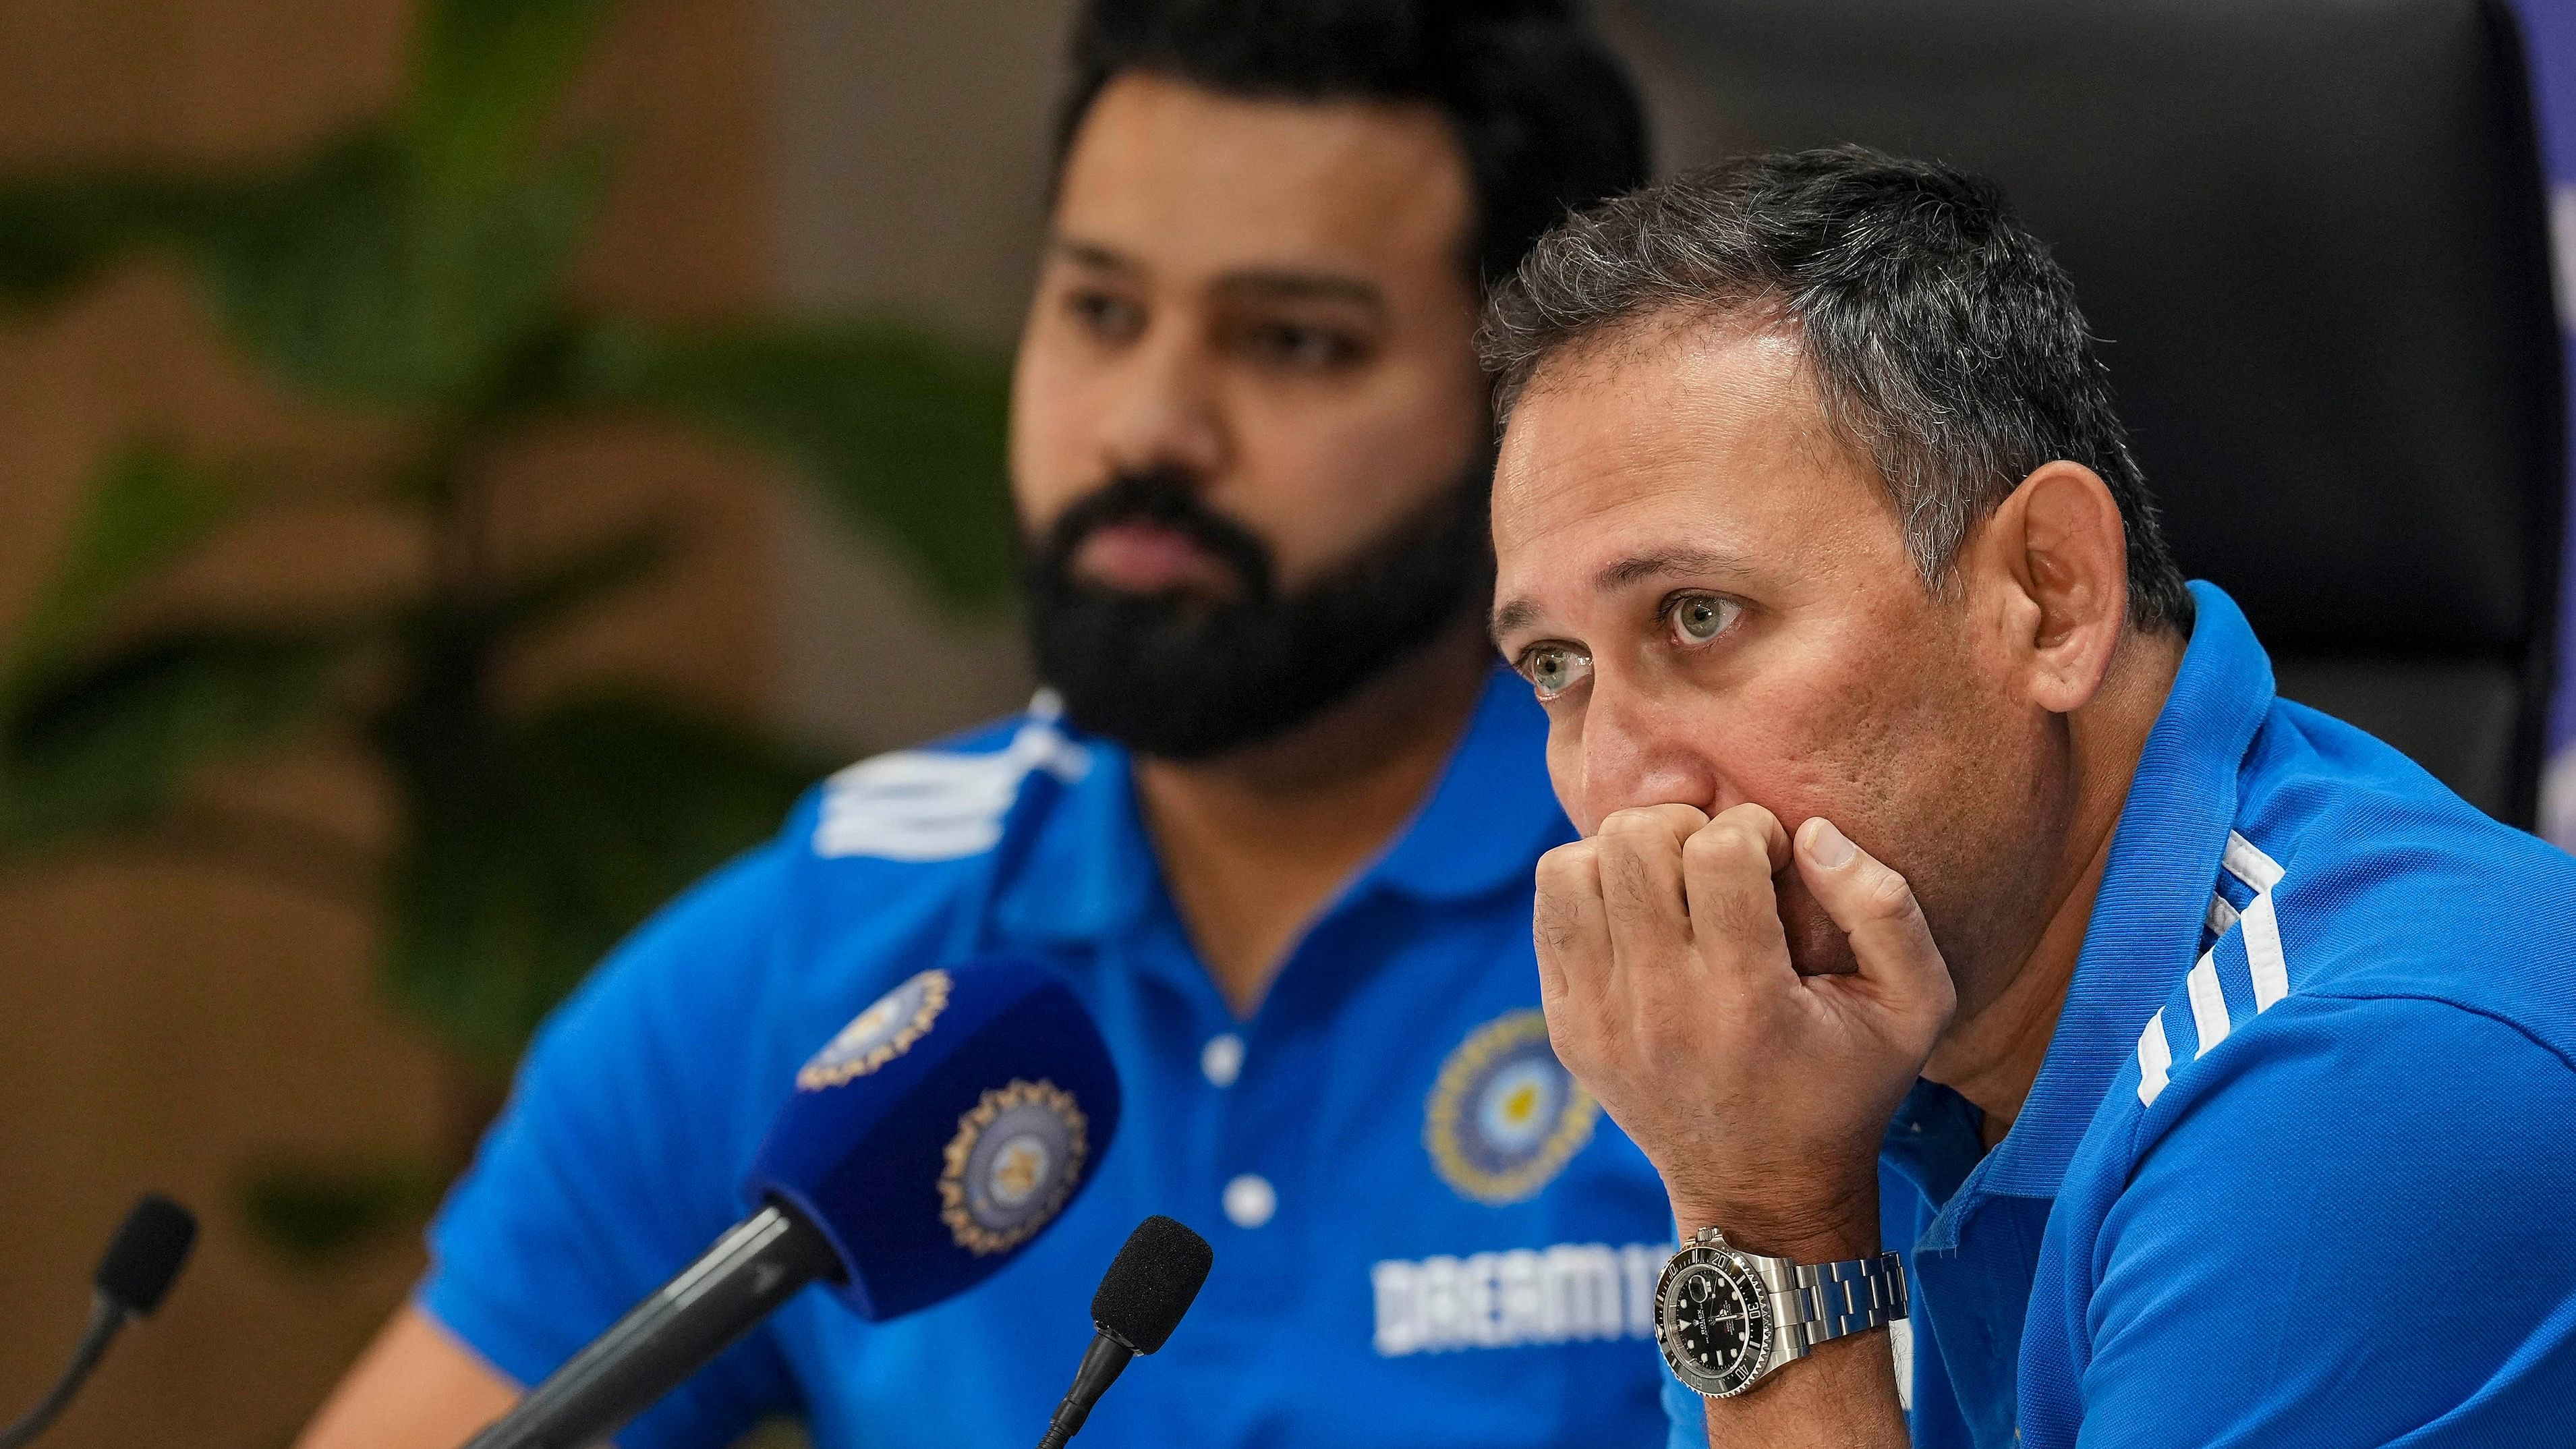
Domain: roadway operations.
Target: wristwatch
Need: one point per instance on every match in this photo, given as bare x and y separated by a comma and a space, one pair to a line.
1726, 1318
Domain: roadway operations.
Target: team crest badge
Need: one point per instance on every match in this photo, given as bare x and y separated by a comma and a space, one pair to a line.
1017, 1157
879, 1034
1506, 1116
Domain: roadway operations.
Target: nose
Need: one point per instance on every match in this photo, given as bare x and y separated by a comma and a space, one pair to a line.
1639, 750
1163, 411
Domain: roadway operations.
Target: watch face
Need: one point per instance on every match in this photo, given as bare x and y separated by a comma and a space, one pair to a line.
1713, 1320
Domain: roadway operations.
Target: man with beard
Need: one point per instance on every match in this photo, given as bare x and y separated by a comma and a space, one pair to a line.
1275, 820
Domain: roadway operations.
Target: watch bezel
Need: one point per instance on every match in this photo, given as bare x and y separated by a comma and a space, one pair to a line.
1758, 1326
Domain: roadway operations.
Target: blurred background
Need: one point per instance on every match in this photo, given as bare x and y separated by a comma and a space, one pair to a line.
464, 466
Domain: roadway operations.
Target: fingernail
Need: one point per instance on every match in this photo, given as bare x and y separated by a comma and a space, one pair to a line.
1827, 846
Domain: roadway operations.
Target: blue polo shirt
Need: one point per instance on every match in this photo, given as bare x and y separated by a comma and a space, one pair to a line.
2300, 1164
1424, 1231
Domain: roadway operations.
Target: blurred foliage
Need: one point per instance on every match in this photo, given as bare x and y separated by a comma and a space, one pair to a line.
417, 269
315, 1214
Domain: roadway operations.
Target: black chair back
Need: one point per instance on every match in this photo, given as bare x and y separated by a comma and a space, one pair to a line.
2313, 235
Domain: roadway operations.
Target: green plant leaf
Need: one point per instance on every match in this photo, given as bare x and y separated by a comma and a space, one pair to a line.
347, 274
485, 75
532, 853
106, 742
57, 232
355, 280
313, 1214
901, 431
147, 507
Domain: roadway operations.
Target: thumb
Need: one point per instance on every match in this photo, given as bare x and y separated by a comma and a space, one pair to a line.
1876, 909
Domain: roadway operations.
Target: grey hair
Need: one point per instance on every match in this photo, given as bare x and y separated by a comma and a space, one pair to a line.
1944, 341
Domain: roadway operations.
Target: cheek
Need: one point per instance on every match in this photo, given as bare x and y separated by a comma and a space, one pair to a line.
1053, 460
1322, 472
1565, 768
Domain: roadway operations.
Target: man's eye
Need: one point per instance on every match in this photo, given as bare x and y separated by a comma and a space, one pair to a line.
1105, 314
1699, 618
1552, 669
1289, 344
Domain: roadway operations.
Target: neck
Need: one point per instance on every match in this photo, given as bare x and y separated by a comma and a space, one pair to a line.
1992, 1052
1253, 843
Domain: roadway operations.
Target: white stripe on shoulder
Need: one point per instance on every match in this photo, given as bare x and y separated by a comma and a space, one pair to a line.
2260, 926
2208, 1004
2249, 864
2221, 915
2263, 956
926, 805
2155, 1060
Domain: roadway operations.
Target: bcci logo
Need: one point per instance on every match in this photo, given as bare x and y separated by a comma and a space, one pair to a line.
879, 1034
1016, 1157
1506, 1116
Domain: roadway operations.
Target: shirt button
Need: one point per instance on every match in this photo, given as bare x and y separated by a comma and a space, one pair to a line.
1250, 1200
1222, 1059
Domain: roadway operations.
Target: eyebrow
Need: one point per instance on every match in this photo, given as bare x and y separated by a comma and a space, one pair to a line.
1274, 284
1619, 574
1093, 255
1279, 285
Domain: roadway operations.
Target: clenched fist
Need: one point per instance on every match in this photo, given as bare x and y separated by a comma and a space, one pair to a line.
1758, 1093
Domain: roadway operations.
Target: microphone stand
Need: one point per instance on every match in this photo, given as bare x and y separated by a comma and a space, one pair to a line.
1102, 1363
106, 1318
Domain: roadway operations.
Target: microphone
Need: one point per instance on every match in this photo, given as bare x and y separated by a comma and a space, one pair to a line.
142, 1261
1149, 1285
943, 1129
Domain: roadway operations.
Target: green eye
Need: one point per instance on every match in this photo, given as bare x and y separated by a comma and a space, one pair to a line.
1552, 669
1699, 618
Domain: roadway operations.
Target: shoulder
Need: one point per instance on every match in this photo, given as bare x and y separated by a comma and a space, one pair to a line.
2304, 1188
943, 802
869, 871
2354, 874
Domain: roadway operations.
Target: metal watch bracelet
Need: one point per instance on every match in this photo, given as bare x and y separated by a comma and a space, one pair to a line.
1813, 1303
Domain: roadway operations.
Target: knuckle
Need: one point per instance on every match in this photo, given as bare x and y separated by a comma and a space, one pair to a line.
1753, 817
1888, 894
1622, 824
1725, 844
1564, 867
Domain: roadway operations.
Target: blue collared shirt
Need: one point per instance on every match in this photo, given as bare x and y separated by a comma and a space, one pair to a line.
1424, 1231
2299, 1167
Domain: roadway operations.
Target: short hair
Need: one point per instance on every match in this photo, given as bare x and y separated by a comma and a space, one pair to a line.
1943, 340
1544, 113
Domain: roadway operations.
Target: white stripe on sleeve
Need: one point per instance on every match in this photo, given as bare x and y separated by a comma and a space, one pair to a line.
2221, 915
2249, 864
2208, 1004
2263, 953
2155, 1060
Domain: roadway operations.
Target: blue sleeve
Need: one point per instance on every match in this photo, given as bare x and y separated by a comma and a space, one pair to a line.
2357, 1235
615, 1162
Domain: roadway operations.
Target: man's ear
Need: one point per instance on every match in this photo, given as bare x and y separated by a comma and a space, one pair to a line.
2057, 560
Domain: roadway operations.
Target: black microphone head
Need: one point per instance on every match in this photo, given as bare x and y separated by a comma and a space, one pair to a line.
147, 1254
1151, 1283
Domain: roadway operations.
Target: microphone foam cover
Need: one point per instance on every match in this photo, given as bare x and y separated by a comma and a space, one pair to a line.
1152, 1282
149, 1249
943, 1129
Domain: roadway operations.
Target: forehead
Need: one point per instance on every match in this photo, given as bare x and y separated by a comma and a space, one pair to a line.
1180, 177
1707, 439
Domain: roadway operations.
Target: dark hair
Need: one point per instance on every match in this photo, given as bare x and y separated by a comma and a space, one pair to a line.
1943, 339
1544, 113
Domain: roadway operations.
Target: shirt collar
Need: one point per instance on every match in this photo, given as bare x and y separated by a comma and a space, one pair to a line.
1077, 866
2155, 893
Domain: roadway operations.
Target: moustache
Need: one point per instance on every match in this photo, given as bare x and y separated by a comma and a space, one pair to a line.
1166, 498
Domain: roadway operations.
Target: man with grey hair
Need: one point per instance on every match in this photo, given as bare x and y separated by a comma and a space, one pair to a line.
1978, 947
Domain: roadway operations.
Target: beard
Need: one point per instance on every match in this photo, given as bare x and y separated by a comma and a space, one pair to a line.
1183, 677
